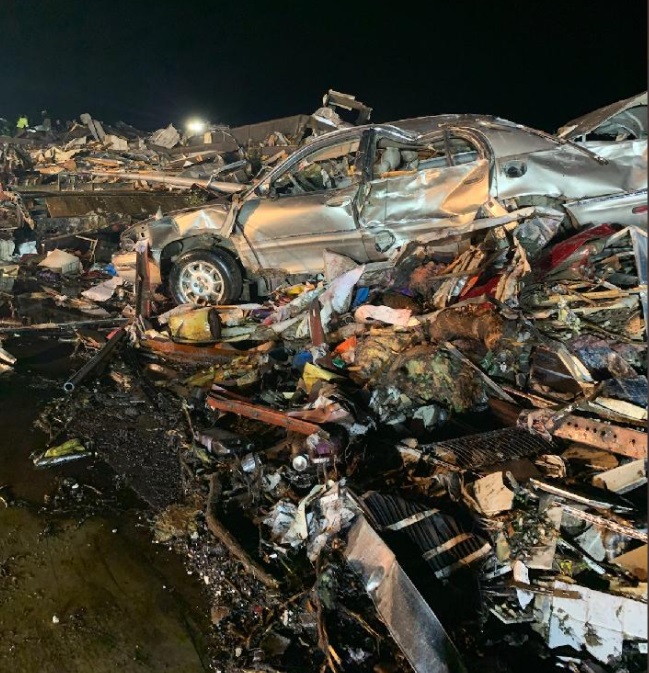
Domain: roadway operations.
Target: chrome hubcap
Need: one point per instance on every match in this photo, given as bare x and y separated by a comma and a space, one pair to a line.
202, 283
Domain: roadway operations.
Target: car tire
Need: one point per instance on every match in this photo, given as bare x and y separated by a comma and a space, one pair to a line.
205, 277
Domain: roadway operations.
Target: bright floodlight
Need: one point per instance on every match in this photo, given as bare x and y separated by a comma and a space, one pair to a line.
195, 126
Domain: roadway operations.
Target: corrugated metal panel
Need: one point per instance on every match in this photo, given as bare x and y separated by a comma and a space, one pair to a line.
445, 544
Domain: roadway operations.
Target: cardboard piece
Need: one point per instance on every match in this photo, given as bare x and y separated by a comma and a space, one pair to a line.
61, 262
492, 494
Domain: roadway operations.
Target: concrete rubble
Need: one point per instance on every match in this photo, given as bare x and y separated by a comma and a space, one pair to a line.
431, 460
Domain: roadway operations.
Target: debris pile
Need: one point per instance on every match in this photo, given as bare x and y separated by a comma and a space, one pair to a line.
397, 465
473, 428
78, 186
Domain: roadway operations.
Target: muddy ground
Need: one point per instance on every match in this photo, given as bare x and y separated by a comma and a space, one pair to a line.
82, 587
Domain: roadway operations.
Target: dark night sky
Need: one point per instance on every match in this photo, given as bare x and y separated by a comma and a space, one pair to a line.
148, 63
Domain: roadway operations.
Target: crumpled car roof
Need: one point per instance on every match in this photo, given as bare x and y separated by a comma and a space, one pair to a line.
505, 137
599, 118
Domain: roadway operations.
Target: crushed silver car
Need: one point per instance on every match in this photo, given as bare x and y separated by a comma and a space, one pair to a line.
365, 191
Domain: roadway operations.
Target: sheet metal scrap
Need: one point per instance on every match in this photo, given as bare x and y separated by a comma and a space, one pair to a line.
409, 618
598, 622
188, 353
614, 438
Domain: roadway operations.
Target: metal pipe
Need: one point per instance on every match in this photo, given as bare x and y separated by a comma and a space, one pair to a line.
99, 357
569, 495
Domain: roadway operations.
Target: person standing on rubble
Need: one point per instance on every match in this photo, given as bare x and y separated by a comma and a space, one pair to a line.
47, 122
21, 125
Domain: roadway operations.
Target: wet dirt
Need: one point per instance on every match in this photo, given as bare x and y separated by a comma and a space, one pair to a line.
82, 586
91, 596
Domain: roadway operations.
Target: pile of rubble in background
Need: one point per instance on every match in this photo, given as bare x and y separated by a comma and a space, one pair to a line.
75, 190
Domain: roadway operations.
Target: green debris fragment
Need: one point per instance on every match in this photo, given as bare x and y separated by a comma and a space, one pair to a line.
63, 453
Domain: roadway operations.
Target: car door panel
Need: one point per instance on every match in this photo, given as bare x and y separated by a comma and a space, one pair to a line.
291, 232
409, 204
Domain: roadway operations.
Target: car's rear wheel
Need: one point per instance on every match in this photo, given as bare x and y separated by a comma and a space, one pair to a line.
205, 277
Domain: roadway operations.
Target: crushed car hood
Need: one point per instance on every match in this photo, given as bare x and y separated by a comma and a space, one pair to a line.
179, 223
628, 115
210, 217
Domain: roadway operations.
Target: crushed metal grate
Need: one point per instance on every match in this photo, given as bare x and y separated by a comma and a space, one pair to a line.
488, 448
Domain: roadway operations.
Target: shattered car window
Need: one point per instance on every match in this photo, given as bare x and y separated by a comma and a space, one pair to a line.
391, 157
329, 168
462, 151
630, 124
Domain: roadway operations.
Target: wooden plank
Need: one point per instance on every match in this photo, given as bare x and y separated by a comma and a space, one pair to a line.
623, 478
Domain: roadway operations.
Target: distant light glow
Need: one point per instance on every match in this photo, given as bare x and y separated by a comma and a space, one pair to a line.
195, 126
